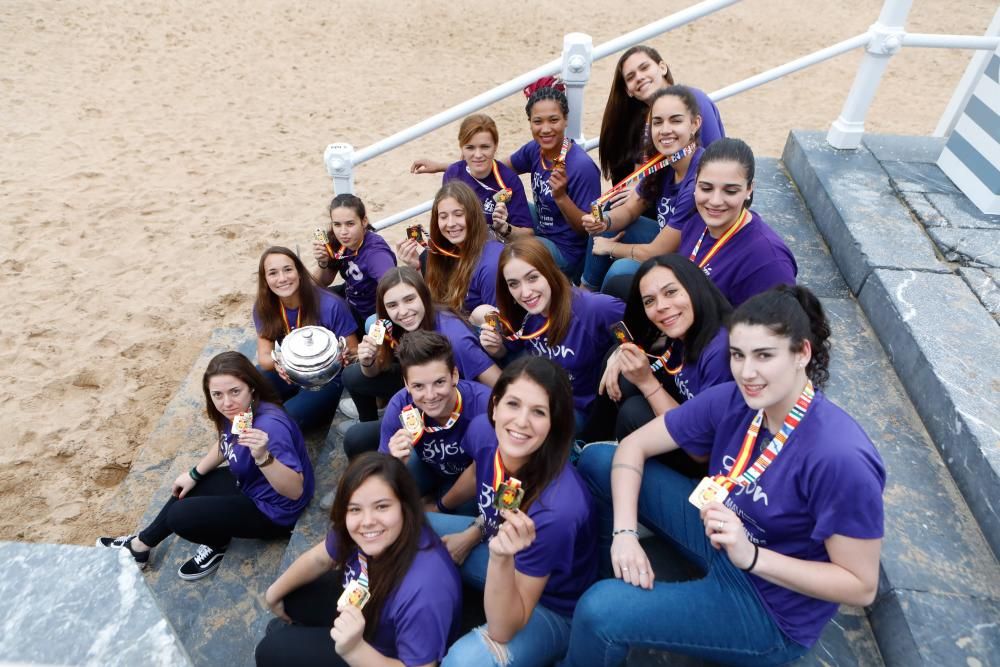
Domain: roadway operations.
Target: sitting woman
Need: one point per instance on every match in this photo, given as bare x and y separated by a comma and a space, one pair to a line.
403, 304
356, 252
260, 493
564, 180
396, 596
495, 184
568, 325
426, 423
532, 549
727, 240
788, 527
674, 129
462, 260
288, 298
681, 347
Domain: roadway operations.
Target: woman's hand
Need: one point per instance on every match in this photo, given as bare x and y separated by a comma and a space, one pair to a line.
621, 197
183, 485
319, 252
499, 214
408, 253
401, 445
592, 226
725, 531
604, 245
256, 441
347, 629
558, 180
282, 373
634, 365
424, 165
516, 533
609, 381
460, 545
276, 604
367, 349
629, 561
492, 342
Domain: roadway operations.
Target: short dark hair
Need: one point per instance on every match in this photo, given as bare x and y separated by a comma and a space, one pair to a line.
730, 149
422, 347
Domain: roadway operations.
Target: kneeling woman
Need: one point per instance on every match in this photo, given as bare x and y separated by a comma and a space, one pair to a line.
534, 560
784, 535
289, 298
262, 492
390, 560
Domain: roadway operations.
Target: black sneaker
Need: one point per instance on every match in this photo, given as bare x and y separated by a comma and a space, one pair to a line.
204, 562
125, 542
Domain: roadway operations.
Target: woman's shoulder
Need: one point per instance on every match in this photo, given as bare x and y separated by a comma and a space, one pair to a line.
491, 252
454, 170
373, 241
268, 415
432, 573
565, 499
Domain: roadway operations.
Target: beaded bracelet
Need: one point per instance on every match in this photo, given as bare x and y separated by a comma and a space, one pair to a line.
625, 531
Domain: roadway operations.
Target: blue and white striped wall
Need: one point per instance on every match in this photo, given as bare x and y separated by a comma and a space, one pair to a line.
971, 158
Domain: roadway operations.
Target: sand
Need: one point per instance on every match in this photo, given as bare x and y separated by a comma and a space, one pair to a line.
150, 152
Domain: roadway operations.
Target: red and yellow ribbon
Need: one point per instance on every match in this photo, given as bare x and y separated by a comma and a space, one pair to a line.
284, 318
741, 222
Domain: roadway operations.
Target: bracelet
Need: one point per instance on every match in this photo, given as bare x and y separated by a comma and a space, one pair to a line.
658, 388
625, 531
611, 253
268, 460
631, 253
441, 507
753, 563
481, 525
195, 475
607, 221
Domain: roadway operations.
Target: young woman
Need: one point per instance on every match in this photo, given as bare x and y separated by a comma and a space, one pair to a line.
564, 180
681, 345
289, 298
404, 300
553, 320
727, 240
789, 527
534, 561
674, 126
478, 139
639, 74
260, 494
356, 252
378, 538
441, 406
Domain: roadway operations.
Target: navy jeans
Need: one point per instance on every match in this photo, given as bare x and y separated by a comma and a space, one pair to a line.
640, 232
307, 408
718, 618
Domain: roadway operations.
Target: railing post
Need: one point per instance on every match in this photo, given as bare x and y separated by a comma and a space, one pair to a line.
339, 164
577, 55
886, 40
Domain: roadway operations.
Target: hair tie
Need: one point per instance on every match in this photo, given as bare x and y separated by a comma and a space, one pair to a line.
545, 82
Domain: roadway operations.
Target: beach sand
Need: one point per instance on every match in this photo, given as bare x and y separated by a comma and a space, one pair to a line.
150, 152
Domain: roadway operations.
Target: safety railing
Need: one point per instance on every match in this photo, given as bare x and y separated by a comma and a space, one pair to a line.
881, 41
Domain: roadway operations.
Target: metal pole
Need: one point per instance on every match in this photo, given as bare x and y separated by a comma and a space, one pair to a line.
577, 55
338, 160
886, 40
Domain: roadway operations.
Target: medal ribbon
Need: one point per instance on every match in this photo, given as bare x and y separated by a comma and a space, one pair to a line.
438, 250
498, 472
452, 420
566, 144
730, 233
651, 167
738, 475
342, 253
661, 362
284, 318
363, 564
519, 334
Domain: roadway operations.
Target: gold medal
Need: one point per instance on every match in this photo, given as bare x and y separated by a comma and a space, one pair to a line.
596, 213
509, 495
503, 196
492, 320
707, 491
355, 594
377, 332
621, 333
416, 232
411, 421
242, 422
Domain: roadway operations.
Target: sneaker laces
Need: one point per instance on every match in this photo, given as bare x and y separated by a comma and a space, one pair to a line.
203, 554
122, 542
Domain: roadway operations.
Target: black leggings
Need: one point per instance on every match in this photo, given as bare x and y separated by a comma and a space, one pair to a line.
212, 513
365, 390
307, 642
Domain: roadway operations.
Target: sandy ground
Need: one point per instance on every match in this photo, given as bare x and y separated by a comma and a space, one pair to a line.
150, 152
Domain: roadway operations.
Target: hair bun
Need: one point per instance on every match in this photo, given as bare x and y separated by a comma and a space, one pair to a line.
545, 82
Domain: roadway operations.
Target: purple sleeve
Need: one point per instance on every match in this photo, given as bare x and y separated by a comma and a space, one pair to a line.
423, 623
518, 213
258, 325
781, 271
584, 182
479, 434
685, 208
279, 440
713, 365
331, 545
451, 172
692, 424
521, 159
390, 420
711, 121
553, 545
380, 261
336, 315
846, 497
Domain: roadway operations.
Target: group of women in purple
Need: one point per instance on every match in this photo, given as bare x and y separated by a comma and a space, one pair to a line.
658, 321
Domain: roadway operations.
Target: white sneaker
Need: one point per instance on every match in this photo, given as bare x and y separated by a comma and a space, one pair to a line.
345, 426
347, 408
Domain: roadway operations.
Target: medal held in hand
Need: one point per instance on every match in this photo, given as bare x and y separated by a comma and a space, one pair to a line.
503, 196
416, 232
377, 332
509, 495
356, 594
707, 491
412, 422
242, 422
621, 333
321, 236
492, 320
597, 212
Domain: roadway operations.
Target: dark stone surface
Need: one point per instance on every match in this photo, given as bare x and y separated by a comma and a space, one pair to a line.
925, 212
960, 212
853, 206
900, 147
919, 177
985, 283
968, 247
953, 384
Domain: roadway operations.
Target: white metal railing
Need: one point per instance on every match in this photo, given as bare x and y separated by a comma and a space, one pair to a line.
882, 40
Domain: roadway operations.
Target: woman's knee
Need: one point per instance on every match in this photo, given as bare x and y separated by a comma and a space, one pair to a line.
595, 467
476, 648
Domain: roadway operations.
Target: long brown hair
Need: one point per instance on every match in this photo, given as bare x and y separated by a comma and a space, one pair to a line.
235, 364
387, 571
402, 275
448, 277
268, 304
531, 250
624, 120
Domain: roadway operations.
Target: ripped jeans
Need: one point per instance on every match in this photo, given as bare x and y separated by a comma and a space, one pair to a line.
542, 641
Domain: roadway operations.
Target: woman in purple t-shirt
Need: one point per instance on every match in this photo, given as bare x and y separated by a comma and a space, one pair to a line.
355, 251
386, 557
533, 558
495, 184
788, 527
681, 348
260, 493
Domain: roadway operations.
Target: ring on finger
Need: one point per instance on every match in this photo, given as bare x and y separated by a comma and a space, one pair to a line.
720, 525
624, 569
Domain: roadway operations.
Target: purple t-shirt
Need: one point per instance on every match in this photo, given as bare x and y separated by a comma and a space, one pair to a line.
422, 614
285, 442
711, 121
470, 358
362, 273
587, 340
828, 480
711, 369
676, 204
583, 188
442, 450
483, 283
754, 260
333, 315
517, 208
565, 546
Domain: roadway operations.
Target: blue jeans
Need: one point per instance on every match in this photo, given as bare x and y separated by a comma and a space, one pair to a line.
542, 641
309, 409
431, 481
572, 270
718, 618
641, 231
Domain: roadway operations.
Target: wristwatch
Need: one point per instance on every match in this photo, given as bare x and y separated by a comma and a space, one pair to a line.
268, 460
